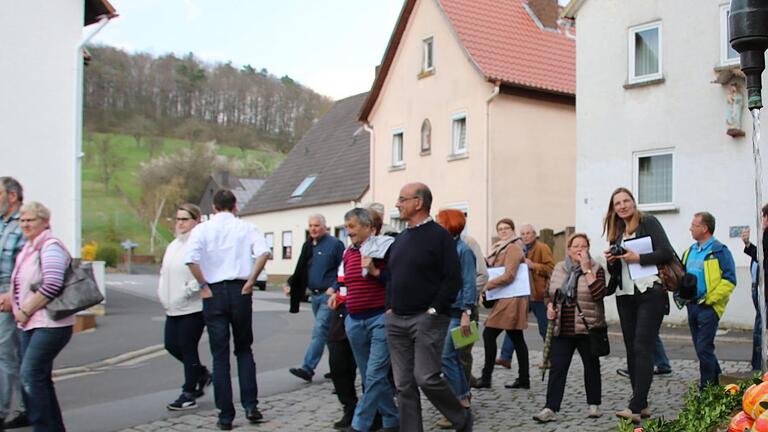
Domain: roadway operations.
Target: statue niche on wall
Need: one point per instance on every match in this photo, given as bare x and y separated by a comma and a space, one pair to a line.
734, 111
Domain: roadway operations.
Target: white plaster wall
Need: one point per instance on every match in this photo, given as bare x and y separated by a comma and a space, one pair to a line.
38, 65
712, 171
295, 220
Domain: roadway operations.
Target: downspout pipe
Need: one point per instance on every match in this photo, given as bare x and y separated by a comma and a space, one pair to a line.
371, 161
78, 139
488, 192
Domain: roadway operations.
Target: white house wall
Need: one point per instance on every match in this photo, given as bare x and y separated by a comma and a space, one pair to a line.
38, 70
712, 171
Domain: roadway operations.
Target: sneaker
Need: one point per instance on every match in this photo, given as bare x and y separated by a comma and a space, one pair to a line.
184, 402
623, 372
507, 364
444, 423
301, 373
546, 415
628, 415
593, 411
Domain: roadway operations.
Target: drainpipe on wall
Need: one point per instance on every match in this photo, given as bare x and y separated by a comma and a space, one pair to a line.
78, 144
371, 159
488, 195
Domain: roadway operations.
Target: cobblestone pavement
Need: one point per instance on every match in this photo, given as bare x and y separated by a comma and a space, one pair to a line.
314, 408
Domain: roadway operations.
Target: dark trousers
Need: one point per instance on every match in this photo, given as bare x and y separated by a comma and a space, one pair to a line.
230, 308
39, 347
703, 322
560, 358
182, 335
343, 371
521, 350
640, 316
416, 350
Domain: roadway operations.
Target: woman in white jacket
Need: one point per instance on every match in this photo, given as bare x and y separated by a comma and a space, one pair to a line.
180, 295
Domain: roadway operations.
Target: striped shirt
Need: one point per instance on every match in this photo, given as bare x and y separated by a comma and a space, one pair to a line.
11, 242
365, 294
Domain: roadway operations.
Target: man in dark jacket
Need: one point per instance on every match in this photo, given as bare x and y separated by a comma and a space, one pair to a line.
316, 271
424, 278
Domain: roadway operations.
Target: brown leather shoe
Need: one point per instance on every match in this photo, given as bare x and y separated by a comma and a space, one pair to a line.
505, 363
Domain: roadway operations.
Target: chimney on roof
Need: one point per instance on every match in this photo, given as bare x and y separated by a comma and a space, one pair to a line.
546, 11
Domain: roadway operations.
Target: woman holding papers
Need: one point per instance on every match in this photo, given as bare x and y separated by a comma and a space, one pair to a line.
578, 280
454, 221
638, 245
508, 314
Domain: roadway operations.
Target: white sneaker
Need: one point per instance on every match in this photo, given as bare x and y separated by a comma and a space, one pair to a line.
546, 415
593, 411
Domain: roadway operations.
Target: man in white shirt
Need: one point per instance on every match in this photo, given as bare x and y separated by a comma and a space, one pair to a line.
226, 254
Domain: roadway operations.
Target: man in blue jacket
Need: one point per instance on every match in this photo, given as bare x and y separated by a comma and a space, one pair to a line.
712, 264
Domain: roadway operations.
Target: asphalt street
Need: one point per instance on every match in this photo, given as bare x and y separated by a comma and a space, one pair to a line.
118, 375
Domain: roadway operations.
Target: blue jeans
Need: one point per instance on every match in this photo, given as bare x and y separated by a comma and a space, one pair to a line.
10, 358
660, 359
539, 309
757, 335
39, 347
703, 321
319, 332
368, 338
452, 369
230, 308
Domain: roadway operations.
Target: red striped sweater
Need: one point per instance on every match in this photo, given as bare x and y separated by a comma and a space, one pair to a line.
363, 293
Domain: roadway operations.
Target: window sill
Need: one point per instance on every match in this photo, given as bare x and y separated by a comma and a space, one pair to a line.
397, 168
659, 208
425, 153
648, 82
426, 73
458, 156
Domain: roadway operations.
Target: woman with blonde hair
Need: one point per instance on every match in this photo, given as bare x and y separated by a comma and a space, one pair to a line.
179, 293
641, 302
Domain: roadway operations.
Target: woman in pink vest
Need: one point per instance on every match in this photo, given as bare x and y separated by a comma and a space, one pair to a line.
38, 278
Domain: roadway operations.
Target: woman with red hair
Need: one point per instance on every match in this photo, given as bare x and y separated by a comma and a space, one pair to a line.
454, 221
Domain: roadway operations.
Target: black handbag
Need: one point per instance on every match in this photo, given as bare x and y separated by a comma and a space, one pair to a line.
598, 337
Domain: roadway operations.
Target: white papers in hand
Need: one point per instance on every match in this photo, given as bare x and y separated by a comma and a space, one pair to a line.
520, 286
641, 245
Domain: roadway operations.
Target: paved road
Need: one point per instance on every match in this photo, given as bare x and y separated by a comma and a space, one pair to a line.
119, 391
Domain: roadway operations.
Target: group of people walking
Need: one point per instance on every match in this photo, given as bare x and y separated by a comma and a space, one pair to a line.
393, 307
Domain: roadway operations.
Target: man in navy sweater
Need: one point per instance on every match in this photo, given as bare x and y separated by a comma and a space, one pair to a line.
424, 278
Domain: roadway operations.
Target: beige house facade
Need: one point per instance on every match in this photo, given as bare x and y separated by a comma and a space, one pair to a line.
483, 143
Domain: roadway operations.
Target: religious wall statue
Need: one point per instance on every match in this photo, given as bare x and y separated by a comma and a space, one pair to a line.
734, 111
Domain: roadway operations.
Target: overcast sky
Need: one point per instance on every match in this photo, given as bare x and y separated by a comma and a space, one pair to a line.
331, 46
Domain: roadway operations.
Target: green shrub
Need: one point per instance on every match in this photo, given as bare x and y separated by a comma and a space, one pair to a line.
109, 254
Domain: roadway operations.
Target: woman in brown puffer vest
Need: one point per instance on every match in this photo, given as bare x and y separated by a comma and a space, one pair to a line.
577, 279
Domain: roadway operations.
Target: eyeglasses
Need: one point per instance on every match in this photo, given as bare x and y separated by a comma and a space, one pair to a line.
178, 219
21, 221
404, 199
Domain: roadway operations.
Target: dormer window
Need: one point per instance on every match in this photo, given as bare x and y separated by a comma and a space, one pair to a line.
303, 186
428, 55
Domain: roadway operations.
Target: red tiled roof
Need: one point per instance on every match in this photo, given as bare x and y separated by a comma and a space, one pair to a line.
503, 40
508, 45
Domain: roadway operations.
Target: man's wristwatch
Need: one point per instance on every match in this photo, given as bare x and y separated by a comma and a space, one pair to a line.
468, 312
431, 311
202, 285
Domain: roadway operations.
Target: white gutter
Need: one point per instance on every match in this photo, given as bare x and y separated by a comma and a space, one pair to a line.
78, 140
371, 160
488, 194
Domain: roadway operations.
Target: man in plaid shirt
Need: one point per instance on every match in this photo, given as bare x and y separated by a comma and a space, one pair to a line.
11, 242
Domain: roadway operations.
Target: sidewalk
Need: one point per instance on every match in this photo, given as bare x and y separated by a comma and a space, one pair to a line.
314, 408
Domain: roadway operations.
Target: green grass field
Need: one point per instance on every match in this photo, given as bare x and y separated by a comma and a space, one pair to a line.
111, 217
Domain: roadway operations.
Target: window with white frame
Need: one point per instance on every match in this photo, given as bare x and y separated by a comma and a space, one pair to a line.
397, 148
428, 54
728, 55
645, 53
459, 140
654, 178
270, 239
426, 136
287, 245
